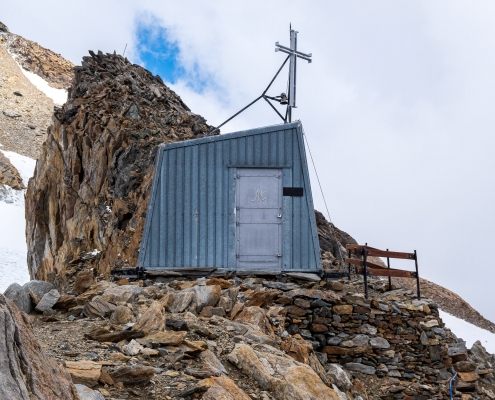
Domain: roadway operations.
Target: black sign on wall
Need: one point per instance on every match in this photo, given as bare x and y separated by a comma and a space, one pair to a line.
293, 191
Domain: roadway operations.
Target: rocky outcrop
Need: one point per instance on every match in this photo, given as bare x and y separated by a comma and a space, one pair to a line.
50, 66
9, 175
86, 204
25, 372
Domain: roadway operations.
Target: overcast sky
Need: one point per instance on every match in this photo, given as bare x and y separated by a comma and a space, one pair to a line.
398, 104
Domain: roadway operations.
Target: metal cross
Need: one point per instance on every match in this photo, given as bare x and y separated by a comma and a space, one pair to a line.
293, 54
282, 99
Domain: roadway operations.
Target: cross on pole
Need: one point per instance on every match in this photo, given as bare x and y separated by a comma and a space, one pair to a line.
283, 99
293, 55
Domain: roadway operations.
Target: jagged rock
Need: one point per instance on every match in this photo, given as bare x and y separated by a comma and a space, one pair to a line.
84, 372
206, 296
223, 283
25, 371
254, 316
134, 374
19, 297
300, 350
480, 355
9, 175
105, 335
210, 359
177, 324
98, 309
122, 315
121, 294
65, 302
101, 145
84, 280
48, 301
223, 388
133, 348
458, 352
85, 393
277, 373
339, 377
40, 288
153, 320
178, 302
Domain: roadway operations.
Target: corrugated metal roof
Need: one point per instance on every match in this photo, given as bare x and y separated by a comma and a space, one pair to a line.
191, 214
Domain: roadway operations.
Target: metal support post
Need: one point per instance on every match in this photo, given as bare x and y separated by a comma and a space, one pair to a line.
389, 278
417, 274
365, 273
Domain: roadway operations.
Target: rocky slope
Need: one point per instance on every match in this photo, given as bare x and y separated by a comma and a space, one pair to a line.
50, 66
26, 111
87, 201
252, 338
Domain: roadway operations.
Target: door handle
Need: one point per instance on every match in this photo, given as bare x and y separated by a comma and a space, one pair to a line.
279, 215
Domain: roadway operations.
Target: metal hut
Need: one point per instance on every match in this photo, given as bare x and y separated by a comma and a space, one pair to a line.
238, 201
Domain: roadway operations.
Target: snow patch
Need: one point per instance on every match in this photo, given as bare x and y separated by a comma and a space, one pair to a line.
13, 250
94, 252
469, 332
59, 96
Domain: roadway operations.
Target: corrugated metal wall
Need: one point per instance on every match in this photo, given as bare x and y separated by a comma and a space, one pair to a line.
191, 220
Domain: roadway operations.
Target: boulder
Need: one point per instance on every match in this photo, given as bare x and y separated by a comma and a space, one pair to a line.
223, 388
212, 362
25, 371
84, 372
279, 374
339, 377
48, 301
40, 288
122, 315
121, 294
206, 296
133, 374
84, 280
254, 316
153, 320
105, 335
19, 297
179, 302
98, 309
85, 393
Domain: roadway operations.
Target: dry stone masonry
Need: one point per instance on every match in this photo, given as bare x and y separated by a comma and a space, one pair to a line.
253, 337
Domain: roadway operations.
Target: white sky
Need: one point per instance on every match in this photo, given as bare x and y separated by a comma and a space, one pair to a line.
398, 105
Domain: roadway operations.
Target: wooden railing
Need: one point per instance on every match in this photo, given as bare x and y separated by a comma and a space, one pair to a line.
367, 268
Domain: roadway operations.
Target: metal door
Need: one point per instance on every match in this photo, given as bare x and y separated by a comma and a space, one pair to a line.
259, 218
